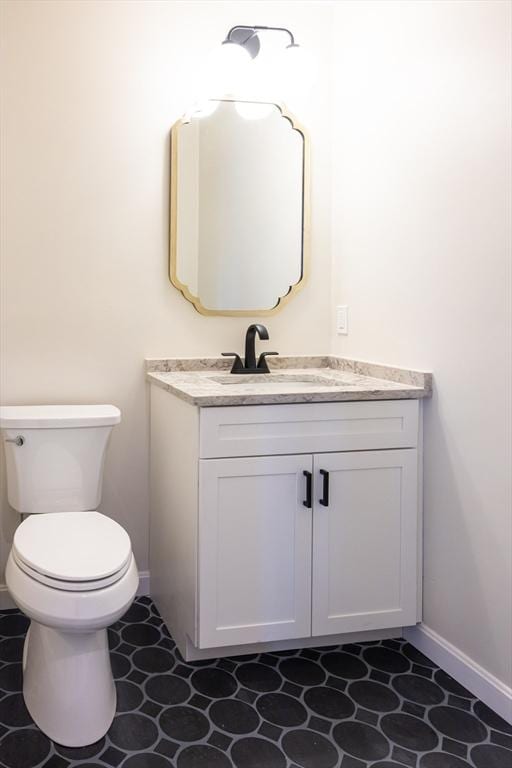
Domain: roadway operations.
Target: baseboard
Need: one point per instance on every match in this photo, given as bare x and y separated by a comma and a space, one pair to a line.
462, 668
143, 583
6, 602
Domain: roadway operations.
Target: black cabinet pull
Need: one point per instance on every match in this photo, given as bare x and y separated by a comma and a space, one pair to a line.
324, 501
307, 500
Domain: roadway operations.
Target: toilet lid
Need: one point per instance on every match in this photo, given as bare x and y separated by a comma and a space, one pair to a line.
72, 546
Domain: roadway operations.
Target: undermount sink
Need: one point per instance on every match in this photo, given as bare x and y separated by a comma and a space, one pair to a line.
303, 380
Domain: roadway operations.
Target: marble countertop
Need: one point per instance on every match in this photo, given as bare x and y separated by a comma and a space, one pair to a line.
207, 382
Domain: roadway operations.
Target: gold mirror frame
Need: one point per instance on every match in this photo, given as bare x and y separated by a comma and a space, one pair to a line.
306, 222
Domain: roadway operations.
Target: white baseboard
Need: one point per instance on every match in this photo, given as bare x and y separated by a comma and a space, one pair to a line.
462, 668
6, 602
143, 583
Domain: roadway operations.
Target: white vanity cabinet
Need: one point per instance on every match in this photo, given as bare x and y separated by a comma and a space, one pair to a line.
241, 561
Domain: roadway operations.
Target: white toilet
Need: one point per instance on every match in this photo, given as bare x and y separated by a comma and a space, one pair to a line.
70, 570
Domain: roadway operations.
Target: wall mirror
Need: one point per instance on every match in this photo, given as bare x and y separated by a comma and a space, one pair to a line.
239, 222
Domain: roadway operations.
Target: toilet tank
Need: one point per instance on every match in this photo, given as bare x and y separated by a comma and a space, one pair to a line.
58, 465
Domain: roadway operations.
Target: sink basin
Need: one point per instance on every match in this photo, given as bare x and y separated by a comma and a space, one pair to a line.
276, 380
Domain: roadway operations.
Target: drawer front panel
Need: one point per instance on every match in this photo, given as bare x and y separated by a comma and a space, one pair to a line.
263, 430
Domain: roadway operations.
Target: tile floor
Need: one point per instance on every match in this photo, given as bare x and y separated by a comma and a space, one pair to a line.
378, 705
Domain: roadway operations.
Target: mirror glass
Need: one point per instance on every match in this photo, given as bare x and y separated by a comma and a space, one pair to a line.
238, 207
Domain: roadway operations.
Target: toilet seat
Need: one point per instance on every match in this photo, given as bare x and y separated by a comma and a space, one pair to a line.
72, 551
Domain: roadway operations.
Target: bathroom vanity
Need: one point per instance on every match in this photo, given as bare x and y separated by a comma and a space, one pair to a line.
285, 508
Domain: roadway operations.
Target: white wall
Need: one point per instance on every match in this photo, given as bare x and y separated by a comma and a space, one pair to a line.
421, 254
89, 93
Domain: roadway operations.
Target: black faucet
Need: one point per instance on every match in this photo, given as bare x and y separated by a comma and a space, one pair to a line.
249, 364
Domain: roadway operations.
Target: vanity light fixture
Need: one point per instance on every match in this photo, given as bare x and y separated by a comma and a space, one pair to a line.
243, 68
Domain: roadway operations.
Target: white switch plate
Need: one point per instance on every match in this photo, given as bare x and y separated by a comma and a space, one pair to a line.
342, 320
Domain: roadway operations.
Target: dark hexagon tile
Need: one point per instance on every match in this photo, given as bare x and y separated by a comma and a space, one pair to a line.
423, 671
136, 677
292, 689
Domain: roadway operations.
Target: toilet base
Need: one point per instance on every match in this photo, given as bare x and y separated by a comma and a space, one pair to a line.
68, 685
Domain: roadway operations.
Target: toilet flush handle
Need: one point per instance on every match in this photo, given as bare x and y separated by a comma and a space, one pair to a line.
18, 440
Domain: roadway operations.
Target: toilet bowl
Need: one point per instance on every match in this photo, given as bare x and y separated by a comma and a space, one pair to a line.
71, 571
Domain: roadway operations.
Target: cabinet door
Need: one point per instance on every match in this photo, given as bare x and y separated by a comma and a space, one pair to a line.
364, 541
254, 550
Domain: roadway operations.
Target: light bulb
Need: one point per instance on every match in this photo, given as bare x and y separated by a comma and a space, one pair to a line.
227, 70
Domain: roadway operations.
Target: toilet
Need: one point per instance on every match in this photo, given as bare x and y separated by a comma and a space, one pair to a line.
71, 569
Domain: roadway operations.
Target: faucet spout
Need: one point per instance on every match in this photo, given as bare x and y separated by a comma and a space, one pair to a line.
250, 344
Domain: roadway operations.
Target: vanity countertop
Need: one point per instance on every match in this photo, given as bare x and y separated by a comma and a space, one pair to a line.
207, 382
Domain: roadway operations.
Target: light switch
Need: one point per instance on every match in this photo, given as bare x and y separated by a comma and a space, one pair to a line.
342, 319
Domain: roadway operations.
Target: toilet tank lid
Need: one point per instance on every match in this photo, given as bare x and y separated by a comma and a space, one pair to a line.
57, 416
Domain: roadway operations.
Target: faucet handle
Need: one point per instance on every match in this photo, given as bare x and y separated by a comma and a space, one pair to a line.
238, 366
262, 363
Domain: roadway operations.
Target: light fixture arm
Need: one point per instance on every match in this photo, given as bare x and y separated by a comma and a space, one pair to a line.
257, 28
